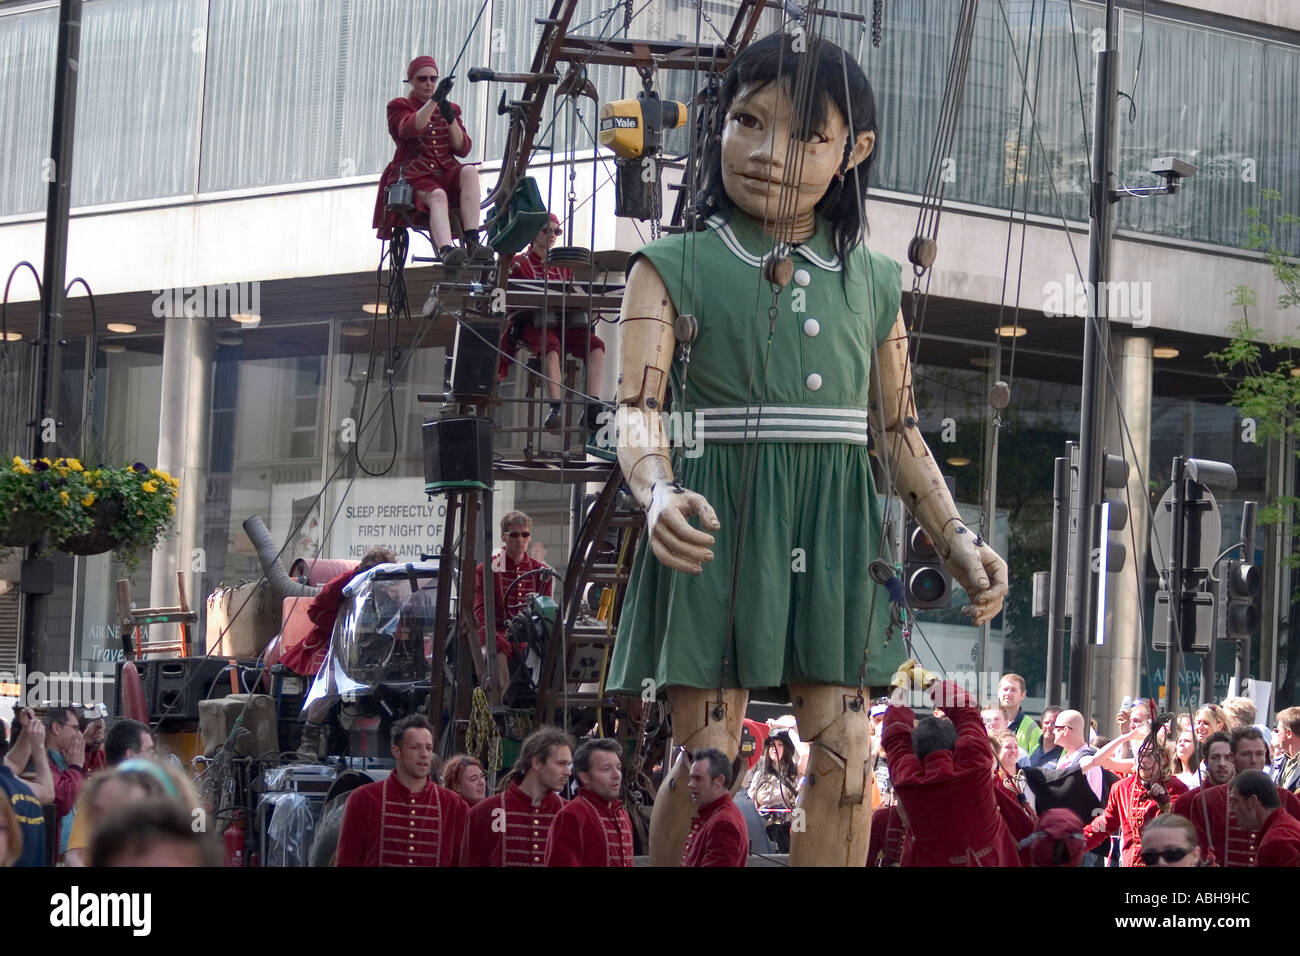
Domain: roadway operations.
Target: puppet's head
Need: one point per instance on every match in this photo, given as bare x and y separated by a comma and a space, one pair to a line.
806, 120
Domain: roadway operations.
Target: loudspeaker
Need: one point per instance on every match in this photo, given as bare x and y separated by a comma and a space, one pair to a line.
457, 454
474, 359
175, 686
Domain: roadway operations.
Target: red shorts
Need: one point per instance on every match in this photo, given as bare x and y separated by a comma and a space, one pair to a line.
577, 341
425, 177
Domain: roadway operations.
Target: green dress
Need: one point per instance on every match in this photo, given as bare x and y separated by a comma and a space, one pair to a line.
794, 413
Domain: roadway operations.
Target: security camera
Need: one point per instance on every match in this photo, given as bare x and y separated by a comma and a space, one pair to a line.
1171, 169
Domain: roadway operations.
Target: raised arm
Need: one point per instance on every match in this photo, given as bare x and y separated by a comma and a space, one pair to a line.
915, 473
643, 452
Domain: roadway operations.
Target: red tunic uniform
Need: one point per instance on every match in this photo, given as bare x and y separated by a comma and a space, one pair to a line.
1128, 809
507, 830
1279, 840
385, 824
590, 831
718, 836
306, 656
505, 571
427, 156
1223, 839
579, 340
948, 801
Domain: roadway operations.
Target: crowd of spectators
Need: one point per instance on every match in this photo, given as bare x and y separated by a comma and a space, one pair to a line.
959, 782
112, 802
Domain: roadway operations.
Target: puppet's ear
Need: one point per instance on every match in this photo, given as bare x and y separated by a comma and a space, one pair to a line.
862, 148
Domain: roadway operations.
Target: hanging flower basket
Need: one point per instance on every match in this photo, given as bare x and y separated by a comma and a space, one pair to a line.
41, 497
22, 528
105, 514
85, 511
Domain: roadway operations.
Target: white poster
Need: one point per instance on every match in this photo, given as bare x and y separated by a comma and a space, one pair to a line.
369, 513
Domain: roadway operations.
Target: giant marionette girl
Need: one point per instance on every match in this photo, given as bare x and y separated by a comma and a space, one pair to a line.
801, 351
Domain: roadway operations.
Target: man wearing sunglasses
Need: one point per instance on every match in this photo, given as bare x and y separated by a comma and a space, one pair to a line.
431, 139
543, 334
516, 578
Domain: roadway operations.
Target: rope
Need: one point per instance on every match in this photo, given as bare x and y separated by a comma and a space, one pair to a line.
482, 738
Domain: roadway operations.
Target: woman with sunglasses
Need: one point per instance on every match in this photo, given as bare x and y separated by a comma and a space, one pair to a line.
1170, 840
431, 139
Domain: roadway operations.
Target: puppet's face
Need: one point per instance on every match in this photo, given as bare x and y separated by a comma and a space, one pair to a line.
767, 174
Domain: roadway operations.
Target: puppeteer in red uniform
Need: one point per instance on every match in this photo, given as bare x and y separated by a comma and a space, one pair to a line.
387, 824
590, 831
948, 800
428, 157
718, 835
516, 577
507, 830
579, 340
1224, 841
1129, 807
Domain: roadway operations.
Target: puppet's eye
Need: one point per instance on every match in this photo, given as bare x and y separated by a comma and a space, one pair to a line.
815, 138
746, 119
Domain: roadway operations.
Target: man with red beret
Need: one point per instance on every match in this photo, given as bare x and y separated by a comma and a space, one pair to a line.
431, 138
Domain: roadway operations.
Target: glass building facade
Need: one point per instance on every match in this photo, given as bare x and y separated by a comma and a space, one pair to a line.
183, 100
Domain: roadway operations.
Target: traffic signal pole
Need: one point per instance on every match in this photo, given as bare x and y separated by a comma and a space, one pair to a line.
1096, 342
1173, 652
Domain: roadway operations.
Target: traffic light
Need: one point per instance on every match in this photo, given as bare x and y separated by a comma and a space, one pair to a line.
1111, 555
1238, 616
1199, 531
927, 582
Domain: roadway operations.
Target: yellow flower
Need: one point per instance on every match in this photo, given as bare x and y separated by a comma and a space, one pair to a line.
18, 461
150, 486
75, 465
46, 461
64, 497
89, 500
21, 467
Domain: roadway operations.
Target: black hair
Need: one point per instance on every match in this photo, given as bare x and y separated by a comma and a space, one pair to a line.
931, 734
124, 735
411, 722
1255, 783
582, 759
1218, 737
834, 78
788, 767
719, 765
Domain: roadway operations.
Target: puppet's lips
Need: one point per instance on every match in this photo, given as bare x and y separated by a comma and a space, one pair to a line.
760, 180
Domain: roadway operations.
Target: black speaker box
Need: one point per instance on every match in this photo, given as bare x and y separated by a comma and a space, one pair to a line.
474, 359
457, 454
